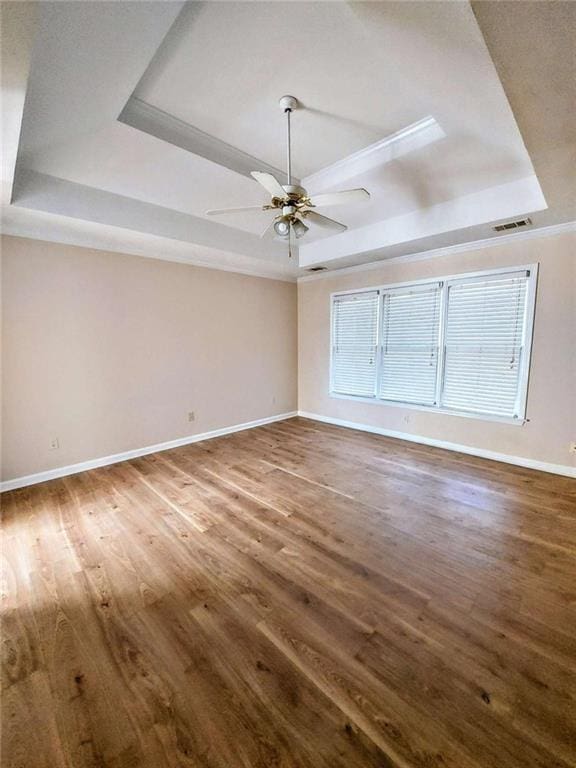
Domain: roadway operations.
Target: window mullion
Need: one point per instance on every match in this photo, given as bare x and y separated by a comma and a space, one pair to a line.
379, 342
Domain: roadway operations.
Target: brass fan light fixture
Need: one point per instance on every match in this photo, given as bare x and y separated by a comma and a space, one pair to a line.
293, 202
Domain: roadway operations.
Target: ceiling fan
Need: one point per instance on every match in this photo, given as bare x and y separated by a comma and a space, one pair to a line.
294, 204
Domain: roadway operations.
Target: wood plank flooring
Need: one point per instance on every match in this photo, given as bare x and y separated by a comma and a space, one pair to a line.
294, 596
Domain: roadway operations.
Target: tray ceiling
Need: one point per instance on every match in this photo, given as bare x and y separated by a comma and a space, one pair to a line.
207, 77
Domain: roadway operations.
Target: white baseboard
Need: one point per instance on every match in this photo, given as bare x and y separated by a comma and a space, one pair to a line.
520, 461
72, 469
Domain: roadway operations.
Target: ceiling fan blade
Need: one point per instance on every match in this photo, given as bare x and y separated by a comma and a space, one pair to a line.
324, 221
346, 197
269, 182
220, 211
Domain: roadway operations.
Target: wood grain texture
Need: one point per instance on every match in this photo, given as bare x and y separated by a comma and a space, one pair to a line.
299, 596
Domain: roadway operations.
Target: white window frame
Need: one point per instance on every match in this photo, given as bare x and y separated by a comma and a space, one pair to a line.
528, 331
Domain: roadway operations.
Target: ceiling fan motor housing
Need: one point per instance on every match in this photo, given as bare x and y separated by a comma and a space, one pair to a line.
291, 202
293, 190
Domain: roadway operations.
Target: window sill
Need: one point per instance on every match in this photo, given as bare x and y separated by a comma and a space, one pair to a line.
431, 409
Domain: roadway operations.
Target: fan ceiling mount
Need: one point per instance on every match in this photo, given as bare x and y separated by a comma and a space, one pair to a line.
295, 205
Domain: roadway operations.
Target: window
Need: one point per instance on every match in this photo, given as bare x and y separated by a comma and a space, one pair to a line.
409, 362
461, 344
483, 345
354, 334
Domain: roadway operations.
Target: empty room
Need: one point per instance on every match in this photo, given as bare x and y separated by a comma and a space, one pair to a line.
288, 375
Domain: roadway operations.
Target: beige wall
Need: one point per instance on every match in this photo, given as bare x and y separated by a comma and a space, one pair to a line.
552, 389
109, 352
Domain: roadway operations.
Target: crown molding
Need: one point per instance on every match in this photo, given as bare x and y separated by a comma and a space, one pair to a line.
451, 218
414, 136
53, 228
155, 122
49, 194
473, 245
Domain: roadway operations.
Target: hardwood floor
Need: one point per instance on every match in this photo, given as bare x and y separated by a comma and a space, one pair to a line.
297, 595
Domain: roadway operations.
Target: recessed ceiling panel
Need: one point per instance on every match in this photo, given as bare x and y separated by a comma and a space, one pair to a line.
361, 70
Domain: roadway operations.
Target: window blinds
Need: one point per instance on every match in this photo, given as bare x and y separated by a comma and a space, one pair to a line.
484, 341
354, 343
409, 338
461, 344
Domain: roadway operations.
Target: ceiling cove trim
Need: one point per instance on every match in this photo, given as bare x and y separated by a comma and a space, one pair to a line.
41, 192
59, 229
414, 136
454, 215
155, 122
473, 245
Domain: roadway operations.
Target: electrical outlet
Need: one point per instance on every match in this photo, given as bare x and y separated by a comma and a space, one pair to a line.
191, 416
54, 444
572, 447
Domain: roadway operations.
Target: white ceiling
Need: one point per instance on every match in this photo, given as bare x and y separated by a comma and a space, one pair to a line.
362, 71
